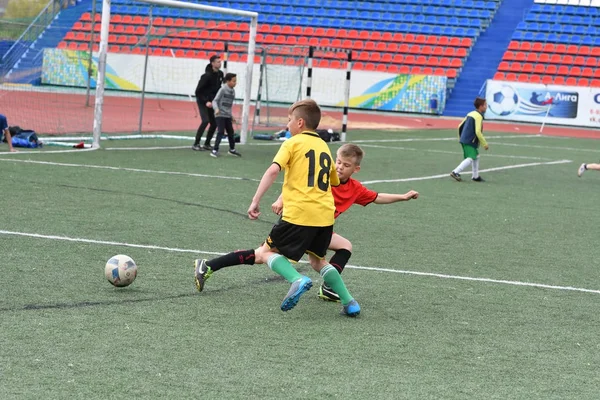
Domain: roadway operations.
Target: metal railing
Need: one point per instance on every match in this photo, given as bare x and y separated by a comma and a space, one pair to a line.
30, 35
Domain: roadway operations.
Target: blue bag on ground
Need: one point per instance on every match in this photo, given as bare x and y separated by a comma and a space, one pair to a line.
26, 138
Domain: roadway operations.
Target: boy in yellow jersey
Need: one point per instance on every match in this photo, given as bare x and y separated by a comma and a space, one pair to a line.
306, 224
470, 133
349, 192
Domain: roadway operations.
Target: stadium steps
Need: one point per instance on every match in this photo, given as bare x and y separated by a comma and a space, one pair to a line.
485, 56
29, 68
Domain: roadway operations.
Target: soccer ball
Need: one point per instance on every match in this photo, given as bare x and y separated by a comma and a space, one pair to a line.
120, 270
504, 101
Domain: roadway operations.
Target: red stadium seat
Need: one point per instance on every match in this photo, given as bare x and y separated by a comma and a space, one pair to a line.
567, 60
452, 73
511, 77
393, 69
584, 51
442, 72
561, 48
539, 69
420, 39
591, 62
86, 16
523, 78
595, 82
559, 80
551, 69
504, 66
433, 62
443, 41
579, 60
62, 45
398, 58
587, 72
532, 57
583, 82
520, 56
466, 42
508, 56
525, 46
515, 67
563, 70
276, 29
514, 45
571, 81
537, 47
527, 68
416, 71
546, 79
544, 58
432, 40
455, 42
572, 49
535, 79
404, 69
549, 48
499, 76
574, 71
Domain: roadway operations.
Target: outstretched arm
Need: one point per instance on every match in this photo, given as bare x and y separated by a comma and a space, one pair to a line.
9, 140
388, 198
265, 183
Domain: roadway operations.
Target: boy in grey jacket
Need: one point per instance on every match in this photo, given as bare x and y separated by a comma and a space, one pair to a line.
222, 104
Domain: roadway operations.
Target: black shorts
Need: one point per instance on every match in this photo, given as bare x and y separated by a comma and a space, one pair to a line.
293, 241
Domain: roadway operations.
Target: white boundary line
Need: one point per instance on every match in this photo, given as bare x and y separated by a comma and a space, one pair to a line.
236, 178
424, 178
545, 147
358, 267
453, 138
149, 171
455, 152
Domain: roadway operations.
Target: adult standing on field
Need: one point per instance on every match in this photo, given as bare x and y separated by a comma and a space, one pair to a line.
208, 86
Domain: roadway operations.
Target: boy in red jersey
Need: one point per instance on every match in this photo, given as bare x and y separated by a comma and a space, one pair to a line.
349, 192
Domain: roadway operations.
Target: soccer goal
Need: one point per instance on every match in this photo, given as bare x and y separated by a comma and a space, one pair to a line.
126, 67
103, 50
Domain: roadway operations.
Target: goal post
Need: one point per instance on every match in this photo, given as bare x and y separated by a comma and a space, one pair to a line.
103, 51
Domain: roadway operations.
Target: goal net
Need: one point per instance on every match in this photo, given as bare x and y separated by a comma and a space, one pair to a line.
121, 67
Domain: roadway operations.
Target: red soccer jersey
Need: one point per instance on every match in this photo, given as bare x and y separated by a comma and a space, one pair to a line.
351, 192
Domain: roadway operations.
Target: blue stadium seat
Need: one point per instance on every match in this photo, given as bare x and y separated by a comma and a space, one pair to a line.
587, 41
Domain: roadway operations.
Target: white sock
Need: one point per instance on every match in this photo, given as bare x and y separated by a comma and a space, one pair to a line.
476, 168
466, 162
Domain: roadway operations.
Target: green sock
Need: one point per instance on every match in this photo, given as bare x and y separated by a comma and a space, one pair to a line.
281, 265
333, 279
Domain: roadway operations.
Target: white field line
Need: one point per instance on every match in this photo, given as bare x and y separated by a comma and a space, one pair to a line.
452, 138
148, 171
455, 152
446, 175
546, 147
358, 267
148, 148
30, 152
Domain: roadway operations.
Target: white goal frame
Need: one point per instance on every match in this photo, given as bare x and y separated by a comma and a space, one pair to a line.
103, 50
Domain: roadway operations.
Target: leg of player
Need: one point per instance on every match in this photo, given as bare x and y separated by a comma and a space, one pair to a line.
332, 278
343, 252
203, 268
475, 167
584, 167
211, 129
205, 121
220, 132
456, 172
231, 137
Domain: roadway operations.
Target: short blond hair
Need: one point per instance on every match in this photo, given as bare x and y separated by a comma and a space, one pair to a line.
351, 150
309, 111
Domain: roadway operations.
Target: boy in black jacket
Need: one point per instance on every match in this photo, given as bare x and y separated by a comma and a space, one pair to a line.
208, 86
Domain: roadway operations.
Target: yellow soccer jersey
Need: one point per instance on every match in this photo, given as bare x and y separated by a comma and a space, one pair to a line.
309, 175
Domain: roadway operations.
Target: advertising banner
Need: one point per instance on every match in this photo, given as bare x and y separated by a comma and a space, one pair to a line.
283, 84
552, 104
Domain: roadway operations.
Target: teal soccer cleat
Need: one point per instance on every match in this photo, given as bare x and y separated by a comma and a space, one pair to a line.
296, 290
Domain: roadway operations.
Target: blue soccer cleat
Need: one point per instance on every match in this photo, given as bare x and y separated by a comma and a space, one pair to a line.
351, 309
296, 290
